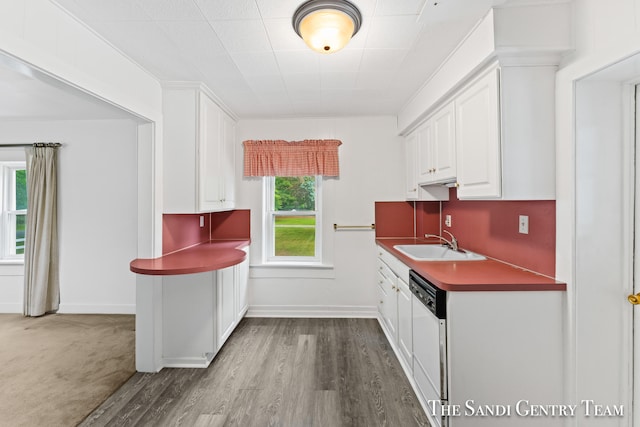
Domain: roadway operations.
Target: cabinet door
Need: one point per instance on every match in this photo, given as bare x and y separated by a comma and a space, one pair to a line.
411, 177
405, 329
188, 326
242, 286
210, 161
388, 305
444, 144
391, 306
229, 162
478, 139
226, 304
425, 152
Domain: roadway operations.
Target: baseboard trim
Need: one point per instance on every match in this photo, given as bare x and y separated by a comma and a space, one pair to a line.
97, 309
312, 311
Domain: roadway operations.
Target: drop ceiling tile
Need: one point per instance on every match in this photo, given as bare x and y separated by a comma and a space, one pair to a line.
282, 35
174, 10
345, 60
299, 61
344, 81
105, 11
151, 48
302, 82
216, 10
393, 32
375, 80
252, 63
399, 7
270, 9
382, 59
219, 70
194, 38
266, 83
366, 7
242, 36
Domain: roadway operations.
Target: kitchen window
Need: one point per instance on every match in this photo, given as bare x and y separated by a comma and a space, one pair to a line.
13, 176
292, 220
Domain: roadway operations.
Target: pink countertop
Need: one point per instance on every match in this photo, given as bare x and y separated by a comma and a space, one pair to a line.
486, 275
209, 256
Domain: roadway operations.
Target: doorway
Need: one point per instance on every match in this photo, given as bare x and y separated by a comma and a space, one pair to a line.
607, 193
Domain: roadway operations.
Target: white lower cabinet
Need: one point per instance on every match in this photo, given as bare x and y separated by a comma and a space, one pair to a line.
199, 313
226, 306
502, 348
405, 336
395, 306
242, 286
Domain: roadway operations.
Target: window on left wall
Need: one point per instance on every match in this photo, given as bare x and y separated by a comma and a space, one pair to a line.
13, 176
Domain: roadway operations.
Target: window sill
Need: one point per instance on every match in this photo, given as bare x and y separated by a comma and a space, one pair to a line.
291, 270
11, 261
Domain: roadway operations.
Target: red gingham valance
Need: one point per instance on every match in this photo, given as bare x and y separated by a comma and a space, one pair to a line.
295, 158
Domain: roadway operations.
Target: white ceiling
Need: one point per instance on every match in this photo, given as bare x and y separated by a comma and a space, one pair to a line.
248, 54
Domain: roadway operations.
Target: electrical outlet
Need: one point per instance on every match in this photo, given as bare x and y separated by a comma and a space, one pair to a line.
201, 221
447, 220
523, 227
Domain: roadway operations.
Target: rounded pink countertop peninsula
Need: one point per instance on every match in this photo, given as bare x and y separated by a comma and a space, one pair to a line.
466, 276
209, 256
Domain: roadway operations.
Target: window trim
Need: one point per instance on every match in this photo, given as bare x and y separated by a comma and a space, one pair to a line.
7, 211
268, 234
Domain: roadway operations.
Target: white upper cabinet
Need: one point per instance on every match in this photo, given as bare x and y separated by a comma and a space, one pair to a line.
501, 81
199, 163
478, 138
505, 134
410, 159
444, 144
437, 147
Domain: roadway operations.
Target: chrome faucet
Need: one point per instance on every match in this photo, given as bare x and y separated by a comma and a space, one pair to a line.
453, 243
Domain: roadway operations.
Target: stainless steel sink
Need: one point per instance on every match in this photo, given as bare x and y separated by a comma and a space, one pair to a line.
431, 252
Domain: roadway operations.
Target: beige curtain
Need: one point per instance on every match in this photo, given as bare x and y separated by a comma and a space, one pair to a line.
41, 282
296, 158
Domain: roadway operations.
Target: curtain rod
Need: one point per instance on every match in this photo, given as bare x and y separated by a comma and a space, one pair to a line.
33, 144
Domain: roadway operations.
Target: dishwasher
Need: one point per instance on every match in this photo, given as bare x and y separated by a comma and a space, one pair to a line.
429, 305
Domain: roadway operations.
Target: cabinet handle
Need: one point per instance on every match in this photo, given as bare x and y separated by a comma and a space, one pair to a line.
415, 189
393, 287
381, 302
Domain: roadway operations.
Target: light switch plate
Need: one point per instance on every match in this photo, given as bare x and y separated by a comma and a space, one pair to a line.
523, 227
447, 220
201, 221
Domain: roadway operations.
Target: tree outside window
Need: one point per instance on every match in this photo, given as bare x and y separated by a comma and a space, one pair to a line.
292, 232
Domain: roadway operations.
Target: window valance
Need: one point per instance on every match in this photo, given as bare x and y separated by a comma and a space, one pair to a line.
294, 158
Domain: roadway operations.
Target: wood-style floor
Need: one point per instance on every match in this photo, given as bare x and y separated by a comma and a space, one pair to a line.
277, 372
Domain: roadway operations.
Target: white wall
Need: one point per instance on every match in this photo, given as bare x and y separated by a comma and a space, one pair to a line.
371, 169
605, 33
97, 209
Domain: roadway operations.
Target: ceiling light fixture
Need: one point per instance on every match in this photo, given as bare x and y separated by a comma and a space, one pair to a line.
326, 26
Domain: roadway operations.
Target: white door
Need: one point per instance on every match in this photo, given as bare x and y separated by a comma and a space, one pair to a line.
636, 268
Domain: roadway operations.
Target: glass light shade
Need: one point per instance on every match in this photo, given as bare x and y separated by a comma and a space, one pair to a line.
326, 30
